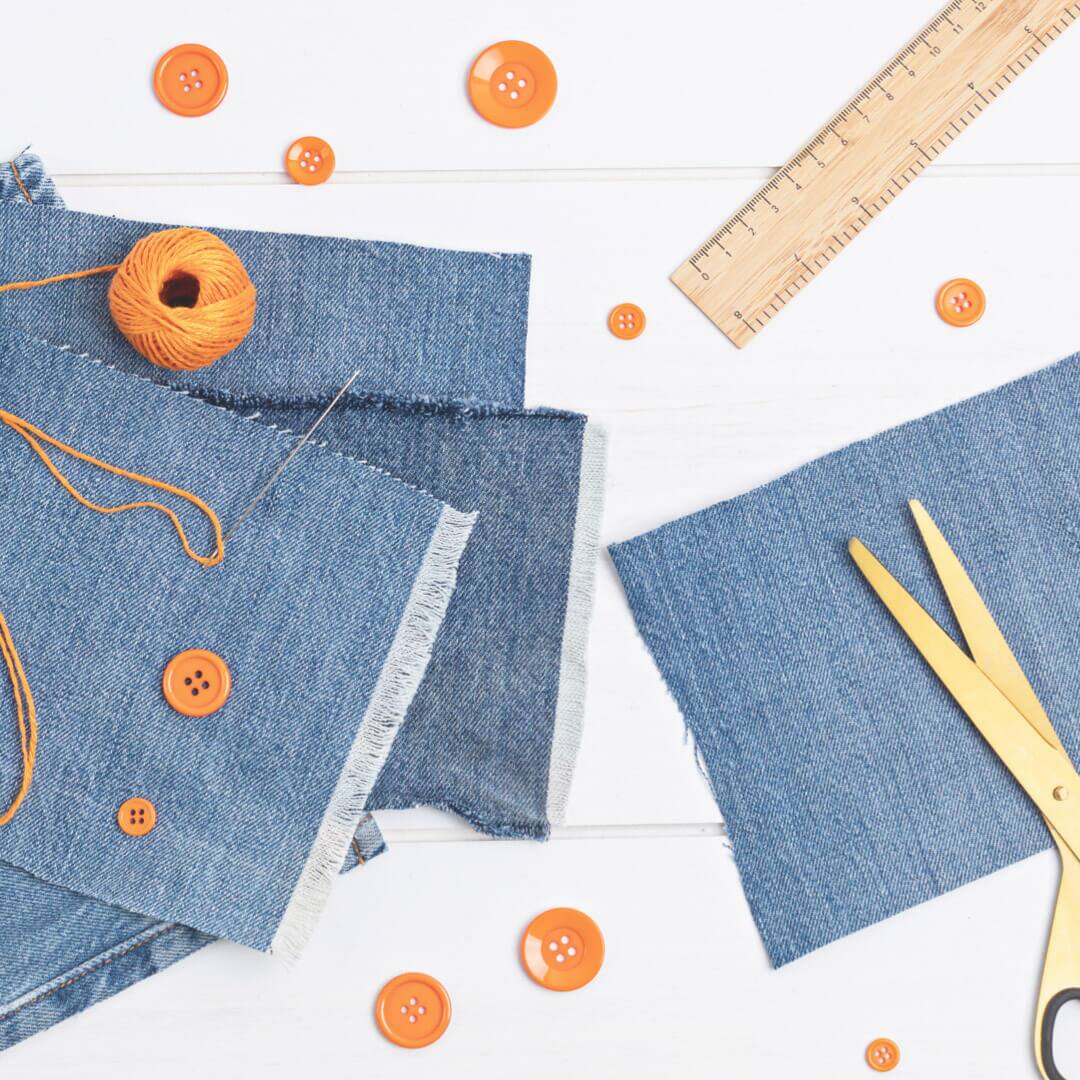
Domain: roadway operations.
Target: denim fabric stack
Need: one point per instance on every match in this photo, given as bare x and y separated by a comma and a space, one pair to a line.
403, 613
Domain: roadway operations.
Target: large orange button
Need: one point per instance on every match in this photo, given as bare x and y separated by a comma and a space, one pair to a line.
136, 816
191, 80
413, 1010
627, 321
196, 682
512, 84
882, 1055
562, 949
960, 302
310, 160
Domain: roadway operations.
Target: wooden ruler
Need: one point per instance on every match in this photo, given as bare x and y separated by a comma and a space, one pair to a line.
929, 92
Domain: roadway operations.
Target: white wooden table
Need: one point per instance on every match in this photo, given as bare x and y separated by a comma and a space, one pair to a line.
668, 116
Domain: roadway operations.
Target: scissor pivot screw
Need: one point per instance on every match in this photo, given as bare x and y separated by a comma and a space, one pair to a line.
1061, 793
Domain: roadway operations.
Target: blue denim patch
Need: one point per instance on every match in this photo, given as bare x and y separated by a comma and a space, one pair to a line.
325, 608
490, 734
415, 321
851, 785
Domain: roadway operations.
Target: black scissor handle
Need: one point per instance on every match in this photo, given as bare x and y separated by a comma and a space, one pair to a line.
1049, 1019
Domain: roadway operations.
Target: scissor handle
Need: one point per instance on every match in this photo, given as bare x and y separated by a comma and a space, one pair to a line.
1046, 1040
1061, 970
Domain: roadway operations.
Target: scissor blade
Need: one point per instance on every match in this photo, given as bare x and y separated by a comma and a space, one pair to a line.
1038, 768
986, 642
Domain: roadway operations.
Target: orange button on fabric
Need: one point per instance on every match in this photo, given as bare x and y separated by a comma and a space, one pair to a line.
960, 302
413, 1010
136, 816
191, 80
310, 160
196, 682
627, 321
562, 949
512, 84
882, 1055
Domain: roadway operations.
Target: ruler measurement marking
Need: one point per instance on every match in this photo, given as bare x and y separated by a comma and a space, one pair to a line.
996, 50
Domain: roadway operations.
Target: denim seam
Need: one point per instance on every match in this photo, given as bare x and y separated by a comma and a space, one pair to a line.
361, 399
89, 967
166, 388
18, 180
356, 852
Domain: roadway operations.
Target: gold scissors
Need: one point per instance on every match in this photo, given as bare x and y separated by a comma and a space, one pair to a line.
991, 688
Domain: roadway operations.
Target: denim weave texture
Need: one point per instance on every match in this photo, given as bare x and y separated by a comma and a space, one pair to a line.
433, 422
851, 784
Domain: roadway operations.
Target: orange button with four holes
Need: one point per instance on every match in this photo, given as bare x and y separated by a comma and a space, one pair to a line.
191, 80
413, 1010
310, 160
626, 321
883, 1055
512, 84
960, 302
136, 816
196, 682
562, 949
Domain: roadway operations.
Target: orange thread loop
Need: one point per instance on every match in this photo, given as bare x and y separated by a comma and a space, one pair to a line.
32, 434
26, 715
181, 297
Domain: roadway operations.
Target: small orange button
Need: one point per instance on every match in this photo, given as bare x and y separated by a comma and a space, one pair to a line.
882, 1055
512, 84
136, 816
310, 160
191, 80
413, 1010
961, 302
196, 682
626, 321
562, 949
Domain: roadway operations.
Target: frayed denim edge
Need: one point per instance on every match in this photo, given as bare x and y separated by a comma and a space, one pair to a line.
570, 704
400, 677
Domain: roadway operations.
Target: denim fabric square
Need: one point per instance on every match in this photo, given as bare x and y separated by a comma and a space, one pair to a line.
413, 320
325, 608
494, 729
851, 784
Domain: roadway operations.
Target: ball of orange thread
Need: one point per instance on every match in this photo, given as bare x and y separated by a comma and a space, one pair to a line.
182, 298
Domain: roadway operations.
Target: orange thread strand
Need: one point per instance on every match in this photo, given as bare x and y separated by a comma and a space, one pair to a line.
18, 180
25, 714
58, 277
32, 434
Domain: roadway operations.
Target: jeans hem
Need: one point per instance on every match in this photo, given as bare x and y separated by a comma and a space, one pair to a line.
103, 975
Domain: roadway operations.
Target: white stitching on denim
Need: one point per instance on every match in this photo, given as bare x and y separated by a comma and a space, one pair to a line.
69, 348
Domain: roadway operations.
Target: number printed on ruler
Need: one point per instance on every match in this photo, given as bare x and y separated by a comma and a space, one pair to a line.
748, 270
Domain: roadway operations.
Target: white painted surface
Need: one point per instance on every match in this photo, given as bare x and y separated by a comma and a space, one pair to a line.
631, 169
